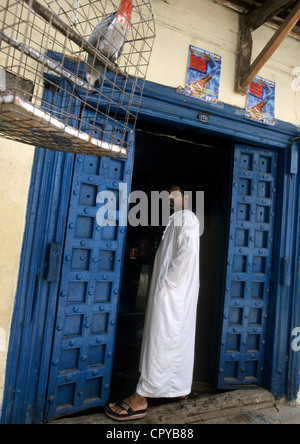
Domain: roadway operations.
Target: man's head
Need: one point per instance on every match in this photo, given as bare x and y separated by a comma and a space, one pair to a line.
178, 200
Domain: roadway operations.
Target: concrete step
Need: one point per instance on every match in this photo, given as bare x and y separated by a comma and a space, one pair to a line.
204, 409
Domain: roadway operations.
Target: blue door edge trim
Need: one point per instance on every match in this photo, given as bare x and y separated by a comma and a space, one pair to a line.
294, 360
282, 364
158, 105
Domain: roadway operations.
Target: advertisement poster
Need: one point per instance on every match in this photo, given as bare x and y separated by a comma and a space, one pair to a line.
203, 75
261, 101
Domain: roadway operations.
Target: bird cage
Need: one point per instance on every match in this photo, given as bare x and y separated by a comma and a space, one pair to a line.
72, 72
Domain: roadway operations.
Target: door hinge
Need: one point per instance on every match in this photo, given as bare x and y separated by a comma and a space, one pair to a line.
53, 264
285, 272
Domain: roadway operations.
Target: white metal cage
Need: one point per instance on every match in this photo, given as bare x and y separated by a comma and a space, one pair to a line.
47, 54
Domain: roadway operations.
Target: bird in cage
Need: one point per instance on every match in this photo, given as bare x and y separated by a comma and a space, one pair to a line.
109, 37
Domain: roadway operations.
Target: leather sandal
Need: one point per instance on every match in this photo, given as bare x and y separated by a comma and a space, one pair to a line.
131, 414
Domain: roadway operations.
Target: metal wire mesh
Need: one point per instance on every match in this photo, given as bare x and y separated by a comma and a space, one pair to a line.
46, 54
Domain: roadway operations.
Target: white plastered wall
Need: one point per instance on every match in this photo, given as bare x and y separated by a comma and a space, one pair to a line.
214, 27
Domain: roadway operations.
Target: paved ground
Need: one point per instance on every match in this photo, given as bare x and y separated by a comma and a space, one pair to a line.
253, 406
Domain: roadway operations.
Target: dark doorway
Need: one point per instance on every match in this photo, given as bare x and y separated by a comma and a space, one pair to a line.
165, 156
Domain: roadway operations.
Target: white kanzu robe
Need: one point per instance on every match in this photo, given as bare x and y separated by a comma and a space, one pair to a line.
167, 357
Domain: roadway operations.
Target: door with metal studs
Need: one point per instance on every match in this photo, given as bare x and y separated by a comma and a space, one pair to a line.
248, 276
82, 354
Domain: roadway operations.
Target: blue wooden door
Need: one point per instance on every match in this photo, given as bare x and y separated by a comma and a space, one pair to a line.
248, 276
83, 344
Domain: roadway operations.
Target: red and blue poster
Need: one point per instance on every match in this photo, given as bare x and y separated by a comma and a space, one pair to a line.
261, 101
203, 75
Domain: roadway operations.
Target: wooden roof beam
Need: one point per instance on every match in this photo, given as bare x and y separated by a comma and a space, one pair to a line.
266, 11
245, 71
248, 6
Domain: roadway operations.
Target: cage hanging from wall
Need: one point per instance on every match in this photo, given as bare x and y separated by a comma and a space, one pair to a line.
72, 72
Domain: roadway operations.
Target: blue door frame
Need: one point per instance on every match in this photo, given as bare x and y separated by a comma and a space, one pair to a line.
165, 105
25, 385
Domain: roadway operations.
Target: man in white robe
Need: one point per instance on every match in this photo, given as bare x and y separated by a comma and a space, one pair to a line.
167, 356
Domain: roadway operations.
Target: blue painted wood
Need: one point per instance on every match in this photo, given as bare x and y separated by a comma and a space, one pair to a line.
285, 272
30, 325
294, 166
81, 362
282, 364
54, 262
293, 361
248, 276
